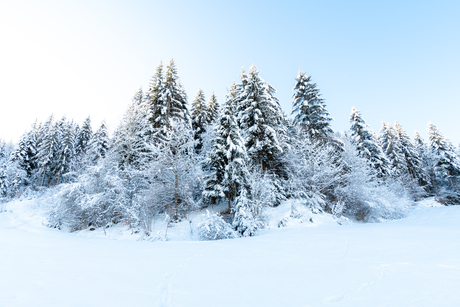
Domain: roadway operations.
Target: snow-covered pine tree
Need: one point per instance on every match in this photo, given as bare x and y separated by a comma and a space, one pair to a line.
98, 146
391, 145
131, 139
83, 137
213, 108
425, 156
3, 185
156, 104
173, 98
25, 154
447, 164
259, 120
310, 110
411, 156
367, 144
227, 159
200, 118
47, 151
65, 156
246, 220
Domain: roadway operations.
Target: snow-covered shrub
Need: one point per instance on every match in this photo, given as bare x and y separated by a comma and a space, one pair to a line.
364, 198
247, 219
213, 227
265, 187
300, 213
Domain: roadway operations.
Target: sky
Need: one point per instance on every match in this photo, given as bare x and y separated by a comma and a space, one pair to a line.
392, 60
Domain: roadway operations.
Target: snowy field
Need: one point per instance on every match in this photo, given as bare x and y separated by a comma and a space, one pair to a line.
409, 262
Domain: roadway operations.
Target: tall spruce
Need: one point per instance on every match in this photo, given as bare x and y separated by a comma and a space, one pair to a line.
227, 159
259, 119
213, 108
173, 98
200, 118
447, 164
411, 156
391, 146
367, 144
310, 109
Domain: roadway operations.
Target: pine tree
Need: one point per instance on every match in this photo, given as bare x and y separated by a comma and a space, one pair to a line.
411, 156
213, 108
200, 118
310, 110
3, 184
47, 150
246, 219
367, 144
391, 146
447, 166
131, 139
99, 144
426, 164
84, 135
226, 161
259, 119
25, 153
173, 98
155, 102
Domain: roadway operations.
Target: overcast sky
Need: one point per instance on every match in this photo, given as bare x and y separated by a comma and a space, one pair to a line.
393, 60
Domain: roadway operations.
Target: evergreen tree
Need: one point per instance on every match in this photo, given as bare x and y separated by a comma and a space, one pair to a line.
411, 156
155, 102
310, 110
25, 153
226, 160
84, 135
246, 219
3, 184
47, 150
200, 118
213, 108
259, 119
99, 144
131, 139
447, 164
367, 144
391, 146
423, 152
173, 98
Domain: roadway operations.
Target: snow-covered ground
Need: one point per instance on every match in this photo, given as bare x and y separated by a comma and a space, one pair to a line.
409, 262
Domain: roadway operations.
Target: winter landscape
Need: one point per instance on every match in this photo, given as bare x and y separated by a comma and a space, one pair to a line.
243, 199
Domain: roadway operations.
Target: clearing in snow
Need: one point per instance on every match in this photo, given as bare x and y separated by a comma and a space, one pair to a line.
409, 262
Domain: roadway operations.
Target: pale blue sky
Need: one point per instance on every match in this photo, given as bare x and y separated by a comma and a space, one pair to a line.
393, 60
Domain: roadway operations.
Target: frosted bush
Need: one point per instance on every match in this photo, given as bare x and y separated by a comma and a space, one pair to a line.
213, 227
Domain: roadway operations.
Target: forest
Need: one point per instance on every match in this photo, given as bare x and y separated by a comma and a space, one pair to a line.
168, 158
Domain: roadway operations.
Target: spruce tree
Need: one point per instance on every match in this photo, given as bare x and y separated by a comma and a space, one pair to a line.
200, 118
411, 156
173, 98
226, 160
367, 144
259, 119
155, 102
427, 173
84, 135
99, 144
391, 146
447, 165
310, 110
131, 139
213, 108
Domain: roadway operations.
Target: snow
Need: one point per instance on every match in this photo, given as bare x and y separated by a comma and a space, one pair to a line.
408, 262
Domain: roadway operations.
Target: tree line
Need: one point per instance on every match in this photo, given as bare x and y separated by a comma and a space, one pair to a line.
168, 158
